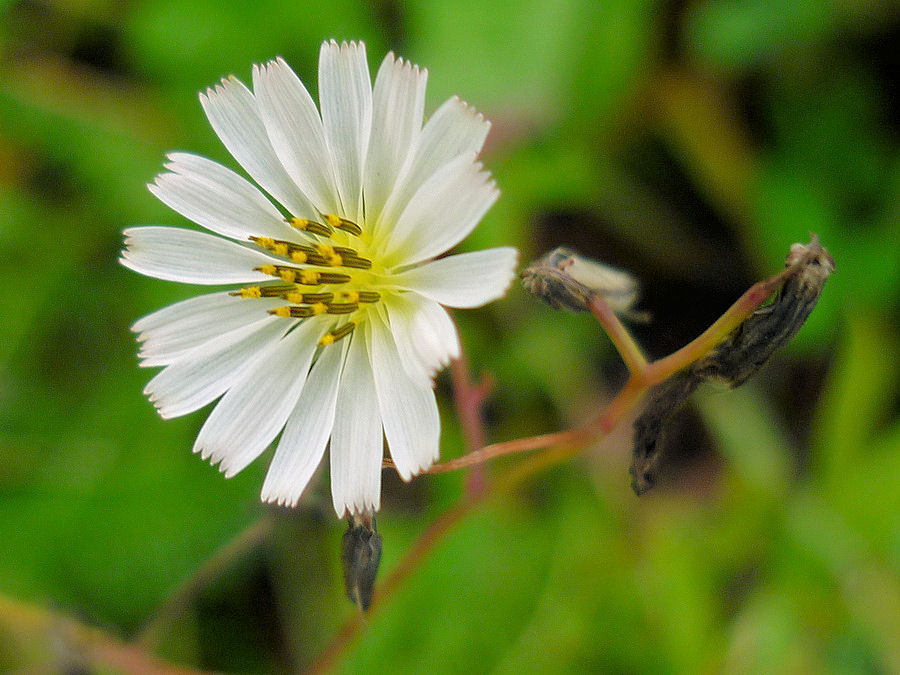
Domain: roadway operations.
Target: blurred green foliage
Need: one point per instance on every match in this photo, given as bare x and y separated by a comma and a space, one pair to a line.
691, 142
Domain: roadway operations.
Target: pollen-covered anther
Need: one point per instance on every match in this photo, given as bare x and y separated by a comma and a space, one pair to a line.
328, 253
265, 242
249, 292
284, 311
270, 291
304, 277
275, 245
300, 298
351, 258
296, 252
333, 336
310, 226
304, 312
315, 277
343, 224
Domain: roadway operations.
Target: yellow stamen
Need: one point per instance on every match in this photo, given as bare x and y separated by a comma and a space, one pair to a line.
337, 334
343, 224
342, 307
355, 261
319, 308
281, 311
274, 290
249, 292
351, 296
306, 277
310, 226
299, 256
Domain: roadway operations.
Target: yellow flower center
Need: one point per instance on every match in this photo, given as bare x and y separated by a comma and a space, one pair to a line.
321, 278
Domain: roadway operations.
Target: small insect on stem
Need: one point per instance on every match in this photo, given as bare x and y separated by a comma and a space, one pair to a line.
565, 279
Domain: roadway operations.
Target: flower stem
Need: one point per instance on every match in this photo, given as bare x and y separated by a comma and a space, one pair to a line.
469, 398
643, 375
621, 338
699, 347
427, 541
563, 444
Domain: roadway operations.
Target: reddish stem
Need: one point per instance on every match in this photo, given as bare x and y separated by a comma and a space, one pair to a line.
469, 398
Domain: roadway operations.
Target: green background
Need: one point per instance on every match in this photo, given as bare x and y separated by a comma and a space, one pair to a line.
690, 142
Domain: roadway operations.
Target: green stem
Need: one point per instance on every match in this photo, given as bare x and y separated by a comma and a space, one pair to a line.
621, 338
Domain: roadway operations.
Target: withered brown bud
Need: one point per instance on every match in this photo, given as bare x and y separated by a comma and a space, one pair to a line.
361, 556
664, 400
770, 327
564, 279
737, 357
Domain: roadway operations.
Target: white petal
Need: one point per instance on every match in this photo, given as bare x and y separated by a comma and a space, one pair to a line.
306, 432
397, 109
234, 115
443, 211
357, 440
295, 130
161, 319
204, 373
345, 96
454, 129
175, 254
218, 199
169, 333
422, 348
255, 409
408, 408
434, 320
464, 280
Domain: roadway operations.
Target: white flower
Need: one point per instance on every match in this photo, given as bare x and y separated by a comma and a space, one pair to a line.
338, 329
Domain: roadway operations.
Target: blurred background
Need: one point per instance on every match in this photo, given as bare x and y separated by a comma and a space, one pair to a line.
690, 142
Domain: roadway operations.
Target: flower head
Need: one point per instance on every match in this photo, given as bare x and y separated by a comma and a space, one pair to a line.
337, 327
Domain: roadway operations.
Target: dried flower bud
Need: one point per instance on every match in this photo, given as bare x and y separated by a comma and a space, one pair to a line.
772, 326
737, 357
361, 556
664, 400
565, 279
